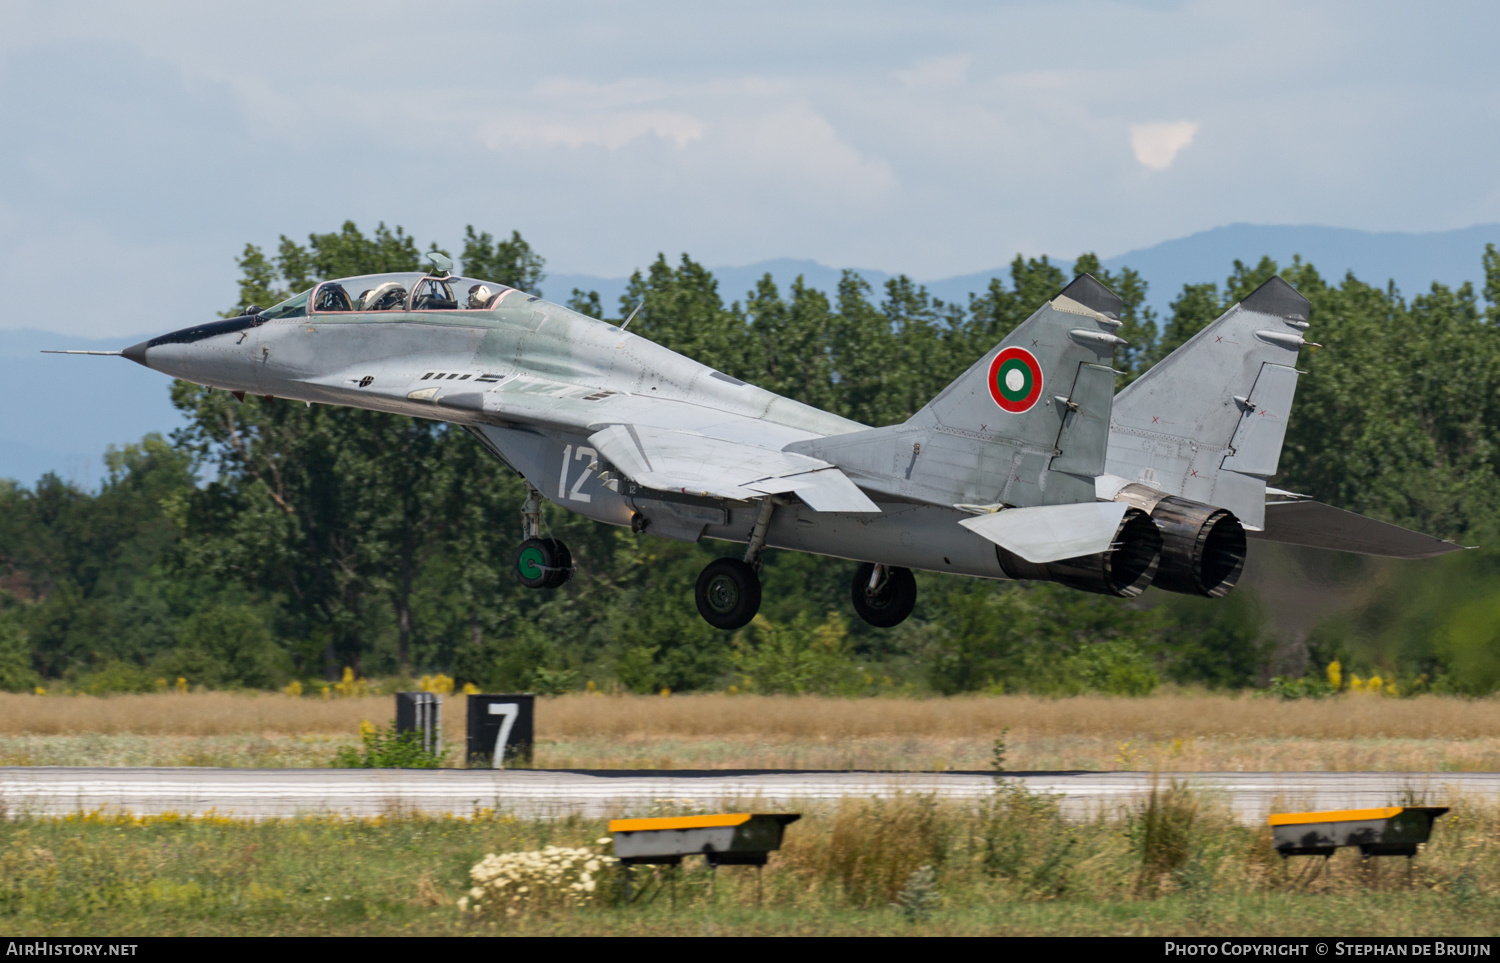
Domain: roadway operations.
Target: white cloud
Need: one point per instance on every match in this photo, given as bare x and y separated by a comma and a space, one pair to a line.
612, 129
937, 72
1157, 145
798, 149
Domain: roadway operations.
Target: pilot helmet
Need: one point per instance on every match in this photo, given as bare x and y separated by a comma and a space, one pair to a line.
479, 296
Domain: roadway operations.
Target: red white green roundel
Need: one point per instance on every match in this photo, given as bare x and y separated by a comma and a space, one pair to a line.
1015, 380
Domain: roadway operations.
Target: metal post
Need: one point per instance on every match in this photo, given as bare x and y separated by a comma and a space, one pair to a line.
422, 713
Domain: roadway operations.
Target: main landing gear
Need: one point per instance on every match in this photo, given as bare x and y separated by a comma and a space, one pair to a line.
540, 562
728, 591
883, 596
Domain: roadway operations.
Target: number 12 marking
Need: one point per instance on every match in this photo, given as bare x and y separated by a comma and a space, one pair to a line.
573, 494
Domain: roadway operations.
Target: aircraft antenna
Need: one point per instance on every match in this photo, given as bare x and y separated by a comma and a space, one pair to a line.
111, 354
633, 313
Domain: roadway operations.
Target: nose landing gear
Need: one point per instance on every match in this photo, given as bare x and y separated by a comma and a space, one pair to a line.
883, 596
543, 563
540, 562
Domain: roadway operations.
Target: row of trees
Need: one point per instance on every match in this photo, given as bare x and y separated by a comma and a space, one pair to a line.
329, 537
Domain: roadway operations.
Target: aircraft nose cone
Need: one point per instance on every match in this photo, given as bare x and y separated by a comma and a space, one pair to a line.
137, 353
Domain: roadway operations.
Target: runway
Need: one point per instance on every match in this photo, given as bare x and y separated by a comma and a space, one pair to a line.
273, 793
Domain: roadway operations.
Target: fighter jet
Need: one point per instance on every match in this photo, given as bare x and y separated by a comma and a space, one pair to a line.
1024, 467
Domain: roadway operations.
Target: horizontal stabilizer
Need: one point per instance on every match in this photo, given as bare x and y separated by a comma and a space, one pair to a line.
1047, 533
1316, 525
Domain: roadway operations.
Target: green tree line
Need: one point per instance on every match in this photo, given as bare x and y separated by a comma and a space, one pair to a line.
270, 540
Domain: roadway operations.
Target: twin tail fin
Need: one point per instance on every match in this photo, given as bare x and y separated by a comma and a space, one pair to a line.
1025, 425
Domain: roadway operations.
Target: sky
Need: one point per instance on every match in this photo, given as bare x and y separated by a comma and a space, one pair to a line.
145, 144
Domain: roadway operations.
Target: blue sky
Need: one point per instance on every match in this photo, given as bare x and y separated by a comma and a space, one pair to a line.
144, 144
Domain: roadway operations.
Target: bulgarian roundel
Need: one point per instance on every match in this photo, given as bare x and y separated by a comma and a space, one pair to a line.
1015, 380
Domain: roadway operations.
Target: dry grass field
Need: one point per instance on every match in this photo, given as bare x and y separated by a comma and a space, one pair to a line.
1169, 732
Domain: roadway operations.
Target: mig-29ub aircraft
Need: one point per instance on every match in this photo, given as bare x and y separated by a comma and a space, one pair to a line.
1010, 472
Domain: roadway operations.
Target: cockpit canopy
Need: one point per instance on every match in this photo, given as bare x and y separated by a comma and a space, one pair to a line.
407, 291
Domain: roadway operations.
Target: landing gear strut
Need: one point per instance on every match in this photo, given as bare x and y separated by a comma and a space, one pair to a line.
883, 596
728, 591
540, 562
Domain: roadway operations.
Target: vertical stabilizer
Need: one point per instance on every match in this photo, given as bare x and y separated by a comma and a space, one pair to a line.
1208, 421
1027, 424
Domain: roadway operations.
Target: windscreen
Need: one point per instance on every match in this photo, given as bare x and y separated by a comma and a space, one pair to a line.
293, 307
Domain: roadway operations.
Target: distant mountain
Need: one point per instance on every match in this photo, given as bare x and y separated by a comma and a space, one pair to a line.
1413, 261
60, 412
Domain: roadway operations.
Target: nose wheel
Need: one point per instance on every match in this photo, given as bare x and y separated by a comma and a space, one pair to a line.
543, 563
883, 596
728, 593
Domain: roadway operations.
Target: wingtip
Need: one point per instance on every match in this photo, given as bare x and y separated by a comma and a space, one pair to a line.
1279, 299
1089, 292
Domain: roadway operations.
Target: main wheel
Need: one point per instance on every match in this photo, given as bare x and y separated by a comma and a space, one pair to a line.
728, 593
892, 600
543, 563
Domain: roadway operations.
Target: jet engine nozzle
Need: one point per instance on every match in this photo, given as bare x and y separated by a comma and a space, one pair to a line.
1203, 548
1125, 570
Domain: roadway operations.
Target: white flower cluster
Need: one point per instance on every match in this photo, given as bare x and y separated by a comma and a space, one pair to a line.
553, 877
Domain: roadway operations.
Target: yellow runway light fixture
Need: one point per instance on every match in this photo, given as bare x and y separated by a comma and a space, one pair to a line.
728, 839
724, 839
1385, 831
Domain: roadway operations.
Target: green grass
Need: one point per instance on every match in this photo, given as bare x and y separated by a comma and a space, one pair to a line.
1008, 866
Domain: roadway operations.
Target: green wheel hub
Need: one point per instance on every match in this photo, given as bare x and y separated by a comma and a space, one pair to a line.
532, 563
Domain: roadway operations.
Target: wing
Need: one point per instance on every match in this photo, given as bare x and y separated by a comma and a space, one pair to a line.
668, 459
666, 445
1316, 525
